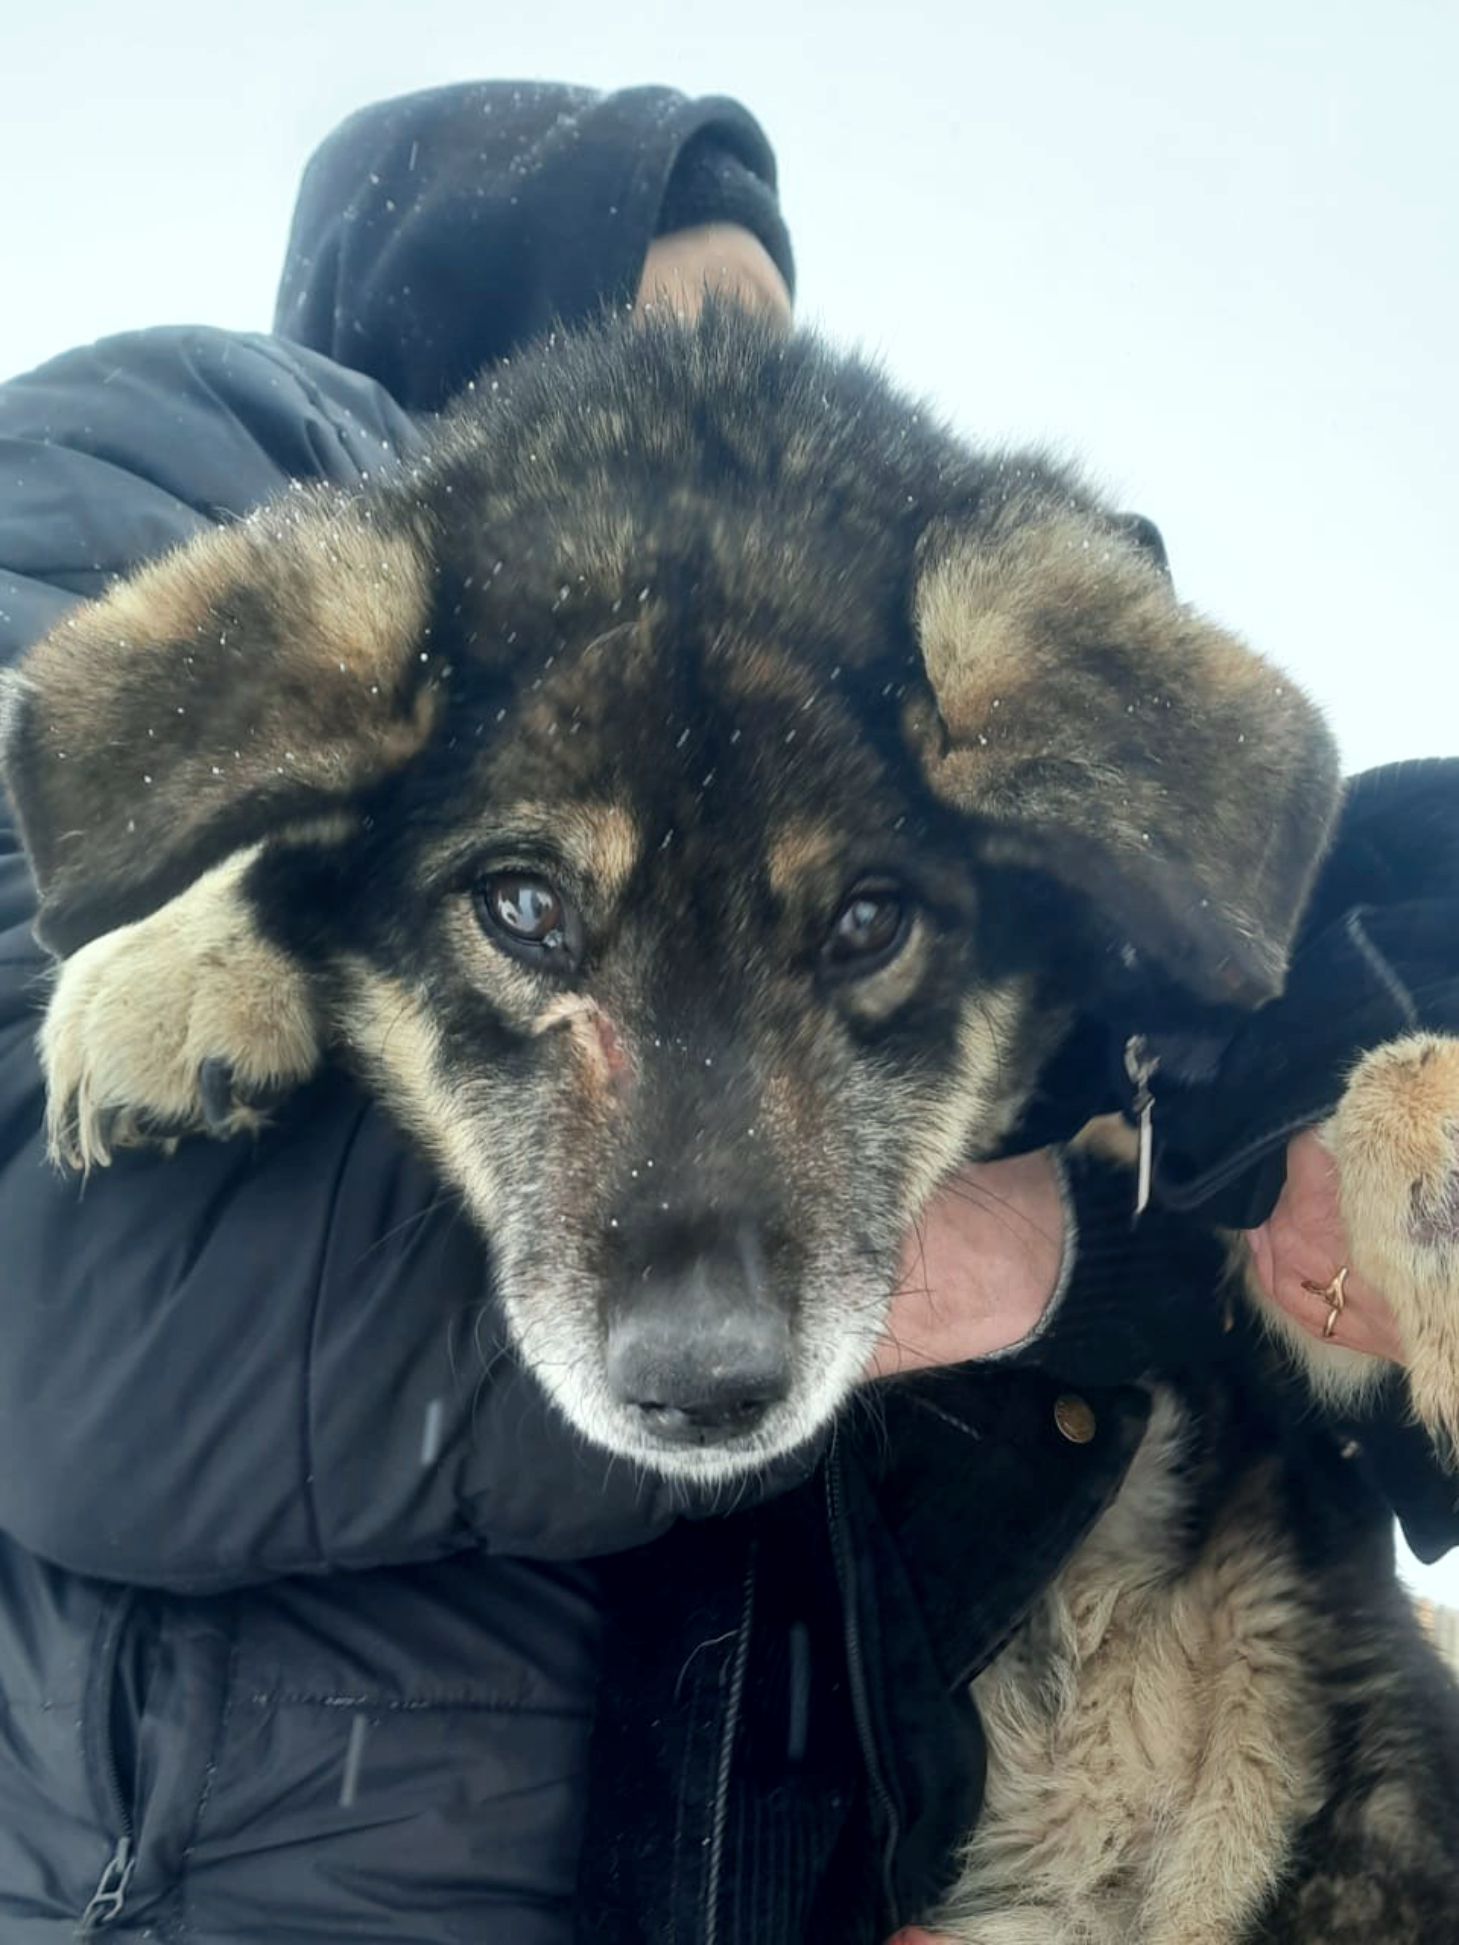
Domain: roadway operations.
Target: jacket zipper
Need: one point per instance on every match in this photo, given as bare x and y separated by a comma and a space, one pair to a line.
856, 1679
108, 1900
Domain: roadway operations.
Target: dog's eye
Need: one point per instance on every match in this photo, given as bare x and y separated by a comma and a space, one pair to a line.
869, 930
526, 912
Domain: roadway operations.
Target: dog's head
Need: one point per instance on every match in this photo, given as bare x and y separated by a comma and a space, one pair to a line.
705, 790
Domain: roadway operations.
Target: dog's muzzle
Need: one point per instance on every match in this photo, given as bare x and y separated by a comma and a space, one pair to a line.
698, 1346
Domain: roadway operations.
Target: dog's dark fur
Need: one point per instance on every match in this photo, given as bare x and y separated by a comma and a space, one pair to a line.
706, 631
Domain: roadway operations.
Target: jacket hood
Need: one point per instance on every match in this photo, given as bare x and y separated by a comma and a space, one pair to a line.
437, 231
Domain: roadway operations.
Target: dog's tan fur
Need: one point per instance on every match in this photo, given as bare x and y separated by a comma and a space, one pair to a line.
342, 704
1029, 634
603, 840
1152, 1732
135, 1014
396, 1041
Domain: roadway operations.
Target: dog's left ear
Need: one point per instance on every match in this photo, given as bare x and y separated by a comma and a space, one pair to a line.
259, 676
1097, 731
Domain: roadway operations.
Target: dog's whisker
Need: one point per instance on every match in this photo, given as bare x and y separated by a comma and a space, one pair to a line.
444, 1198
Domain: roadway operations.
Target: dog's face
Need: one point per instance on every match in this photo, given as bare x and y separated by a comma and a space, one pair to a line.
698, 976
697, 730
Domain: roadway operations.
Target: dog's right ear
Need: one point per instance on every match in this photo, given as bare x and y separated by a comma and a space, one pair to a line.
1101, 734
262, 673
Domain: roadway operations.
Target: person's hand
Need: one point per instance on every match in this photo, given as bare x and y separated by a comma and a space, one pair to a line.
979, 1268
1302, 1245
982, 1265
721, 257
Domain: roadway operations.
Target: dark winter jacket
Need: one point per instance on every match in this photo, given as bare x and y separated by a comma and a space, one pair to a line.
315, 1623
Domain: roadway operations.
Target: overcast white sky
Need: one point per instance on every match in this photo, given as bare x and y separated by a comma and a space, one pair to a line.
1212, 251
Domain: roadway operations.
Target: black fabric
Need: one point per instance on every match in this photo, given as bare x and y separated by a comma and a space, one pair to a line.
436, 233
296, 1635
713, 184
397, 1758
727, 1768
1378, 957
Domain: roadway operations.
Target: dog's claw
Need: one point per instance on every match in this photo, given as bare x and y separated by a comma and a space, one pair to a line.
226, 1102
215, 1091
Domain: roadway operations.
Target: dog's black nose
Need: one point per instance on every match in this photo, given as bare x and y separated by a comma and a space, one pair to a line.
697, 1344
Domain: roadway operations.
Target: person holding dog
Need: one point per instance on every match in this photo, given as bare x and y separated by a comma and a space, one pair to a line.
314, 1620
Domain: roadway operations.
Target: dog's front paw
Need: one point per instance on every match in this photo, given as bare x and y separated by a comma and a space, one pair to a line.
1395, 1139
186, 1022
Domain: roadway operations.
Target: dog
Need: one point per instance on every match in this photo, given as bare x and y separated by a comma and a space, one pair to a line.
696, 799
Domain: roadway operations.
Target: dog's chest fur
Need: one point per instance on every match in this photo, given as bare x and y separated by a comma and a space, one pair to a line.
1153, 1734
1217, 1727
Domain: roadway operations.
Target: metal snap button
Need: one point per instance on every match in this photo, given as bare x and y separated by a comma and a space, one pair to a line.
1074, 1418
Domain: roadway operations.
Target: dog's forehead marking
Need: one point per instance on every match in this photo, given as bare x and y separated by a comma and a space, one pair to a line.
603, 838
800, 854
652, 744
600, 838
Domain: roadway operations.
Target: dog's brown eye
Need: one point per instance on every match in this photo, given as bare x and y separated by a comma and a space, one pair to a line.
525, 911
528, 908
868, 930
